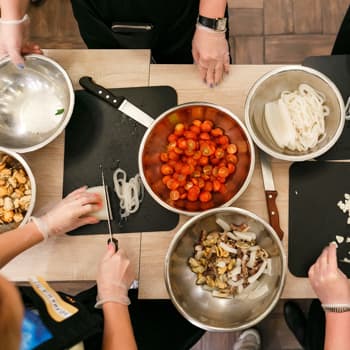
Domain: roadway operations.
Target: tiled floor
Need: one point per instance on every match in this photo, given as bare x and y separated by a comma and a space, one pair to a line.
261, 31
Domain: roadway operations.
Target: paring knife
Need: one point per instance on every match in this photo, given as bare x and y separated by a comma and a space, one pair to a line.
109, 211
119, 102
270, 193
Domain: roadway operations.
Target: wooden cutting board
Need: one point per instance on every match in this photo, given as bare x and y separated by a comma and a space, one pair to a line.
315, 188
100, 134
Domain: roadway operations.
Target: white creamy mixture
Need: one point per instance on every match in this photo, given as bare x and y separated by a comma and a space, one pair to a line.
38, 113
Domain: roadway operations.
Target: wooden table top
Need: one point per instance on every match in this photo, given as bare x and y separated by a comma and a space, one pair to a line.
75, 258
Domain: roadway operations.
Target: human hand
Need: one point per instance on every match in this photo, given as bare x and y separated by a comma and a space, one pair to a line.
328, 282
14, 40
114, 277
211, 54
70, 213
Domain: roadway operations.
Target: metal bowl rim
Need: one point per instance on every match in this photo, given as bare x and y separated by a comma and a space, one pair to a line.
189, 104
178, 235
70, 106
303, 157
30, 174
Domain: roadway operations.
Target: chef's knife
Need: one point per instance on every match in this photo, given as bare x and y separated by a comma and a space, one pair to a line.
109, 211
119, 102
270, 193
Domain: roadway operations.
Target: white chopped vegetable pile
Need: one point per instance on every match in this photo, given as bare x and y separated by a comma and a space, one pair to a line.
228, 263
130, 193
297, 119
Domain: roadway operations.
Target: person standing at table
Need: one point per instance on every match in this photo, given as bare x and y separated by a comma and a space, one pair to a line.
328, 324
182, 31
113, 280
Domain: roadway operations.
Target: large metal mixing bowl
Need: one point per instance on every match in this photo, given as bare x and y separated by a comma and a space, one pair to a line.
269, 87
36, 103
198, 305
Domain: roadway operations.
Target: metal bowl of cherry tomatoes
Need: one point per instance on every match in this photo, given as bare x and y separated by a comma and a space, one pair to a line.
196, 156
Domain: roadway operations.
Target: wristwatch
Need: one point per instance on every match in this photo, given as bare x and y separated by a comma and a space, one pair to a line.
217, 24
336, 307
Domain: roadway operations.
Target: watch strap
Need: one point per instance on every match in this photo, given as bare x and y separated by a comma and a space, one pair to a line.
336, 307
217, 24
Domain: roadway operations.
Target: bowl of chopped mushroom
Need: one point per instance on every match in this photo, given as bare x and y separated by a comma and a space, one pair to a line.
225, 269
17, 190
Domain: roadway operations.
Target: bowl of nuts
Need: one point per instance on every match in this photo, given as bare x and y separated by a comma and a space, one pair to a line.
17, 190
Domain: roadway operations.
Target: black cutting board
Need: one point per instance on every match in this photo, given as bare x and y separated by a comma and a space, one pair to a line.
315, 188
99, 134
337, 68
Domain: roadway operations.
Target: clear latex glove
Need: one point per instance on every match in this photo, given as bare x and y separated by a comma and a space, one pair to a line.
14, 40
328, 282
70, 213
211, 53
114, 277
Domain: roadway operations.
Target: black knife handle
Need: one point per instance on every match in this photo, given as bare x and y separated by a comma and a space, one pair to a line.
115, 242
273, 212
89, 85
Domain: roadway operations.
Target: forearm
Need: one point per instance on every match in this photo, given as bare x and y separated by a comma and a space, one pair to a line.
13, 9
212, 8
118, 333
16, 241
337, 331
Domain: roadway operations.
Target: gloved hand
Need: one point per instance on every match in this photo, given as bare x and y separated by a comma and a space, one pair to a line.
328, 282
211, 54
114, 277
14, 40
70, 213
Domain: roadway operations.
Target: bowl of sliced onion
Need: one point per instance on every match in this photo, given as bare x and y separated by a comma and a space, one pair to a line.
294, 113
225, 269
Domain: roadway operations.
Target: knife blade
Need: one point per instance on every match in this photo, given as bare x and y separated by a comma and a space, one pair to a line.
119, 102
109, 211
270, 193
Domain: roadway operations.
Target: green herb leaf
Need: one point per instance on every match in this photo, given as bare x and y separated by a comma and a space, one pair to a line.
59, 111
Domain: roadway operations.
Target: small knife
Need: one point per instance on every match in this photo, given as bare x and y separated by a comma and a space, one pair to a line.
270, 193
119, 102
109, 211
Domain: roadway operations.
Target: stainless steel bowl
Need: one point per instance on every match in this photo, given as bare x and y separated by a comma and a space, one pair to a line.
20, 162
36, 103
155, 141
199, 306
269, 87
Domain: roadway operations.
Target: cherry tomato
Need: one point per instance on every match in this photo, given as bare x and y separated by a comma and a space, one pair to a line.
204, 136
166, 169
164, 157
172, 184
231, 148
216, 185
219, 153
231, 158
172, 138
165, 179
224, 140
196, 129
197, 122
193, 193
207, 125
182, 143
190, 135
223, 172
174, 195
217, 132
179, 129
205, 196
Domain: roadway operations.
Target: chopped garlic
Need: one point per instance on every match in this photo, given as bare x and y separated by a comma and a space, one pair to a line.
340, 239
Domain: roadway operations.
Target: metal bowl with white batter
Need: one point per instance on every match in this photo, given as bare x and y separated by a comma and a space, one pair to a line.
36, 103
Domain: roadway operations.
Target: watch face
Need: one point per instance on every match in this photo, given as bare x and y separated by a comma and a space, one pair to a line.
221, 24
